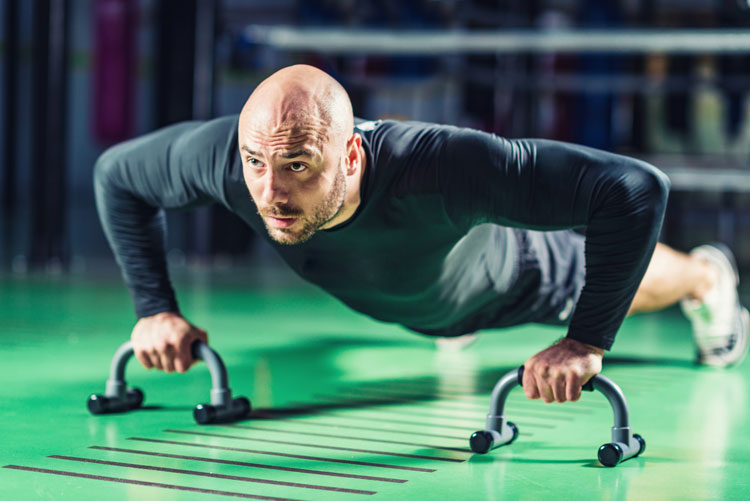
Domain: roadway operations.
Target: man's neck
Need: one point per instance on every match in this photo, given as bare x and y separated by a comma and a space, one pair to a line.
353, 194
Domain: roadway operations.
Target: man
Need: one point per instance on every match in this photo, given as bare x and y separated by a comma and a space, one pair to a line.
441, 229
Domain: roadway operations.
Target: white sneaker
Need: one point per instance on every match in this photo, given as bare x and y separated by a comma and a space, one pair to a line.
721, 325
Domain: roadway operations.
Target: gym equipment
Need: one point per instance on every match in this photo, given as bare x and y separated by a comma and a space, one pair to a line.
222, 409
499, 431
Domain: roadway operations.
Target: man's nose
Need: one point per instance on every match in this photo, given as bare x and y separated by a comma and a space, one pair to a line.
274, 190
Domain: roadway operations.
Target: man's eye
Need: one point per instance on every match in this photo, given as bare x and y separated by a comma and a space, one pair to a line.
297, 167
254, 162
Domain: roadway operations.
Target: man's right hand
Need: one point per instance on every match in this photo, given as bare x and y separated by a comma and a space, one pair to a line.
163, 341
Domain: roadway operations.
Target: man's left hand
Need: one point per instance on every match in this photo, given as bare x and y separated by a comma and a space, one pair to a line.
557, 373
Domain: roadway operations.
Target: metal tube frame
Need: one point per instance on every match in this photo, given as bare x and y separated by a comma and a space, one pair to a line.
220, 393
622, 435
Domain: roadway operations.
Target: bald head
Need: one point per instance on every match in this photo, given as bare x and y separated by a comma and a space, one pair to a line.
300, 97
301, 159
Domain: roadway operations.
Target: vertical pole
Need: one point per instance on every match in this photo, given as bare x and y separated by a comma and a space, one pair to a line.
176, 67
175, 60
10, 123
49, 179
203, 71
203, 105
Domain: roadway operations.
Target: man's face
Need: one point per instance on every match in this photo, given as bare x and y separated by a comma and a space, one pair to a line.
295, 175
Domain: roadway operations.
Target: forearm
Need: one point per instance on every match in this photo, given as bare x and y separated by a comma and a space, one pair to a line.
136, 234
178, 167
620, 239
549, 185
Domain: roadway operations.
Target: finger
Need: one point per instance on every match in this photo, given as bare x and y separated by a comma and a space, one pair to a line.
144, 359
202, 335
184, 356
156, 360
529, 384
545, 391
573, 383
167, 358
558, 387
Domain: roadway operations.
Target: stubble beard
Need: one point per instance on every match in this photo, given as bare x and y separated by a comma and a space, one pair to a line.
328, 209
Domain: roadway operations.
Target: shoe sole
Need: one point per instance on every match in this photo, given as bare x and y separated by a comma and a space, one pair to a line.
744, 319
745, 322
741, 347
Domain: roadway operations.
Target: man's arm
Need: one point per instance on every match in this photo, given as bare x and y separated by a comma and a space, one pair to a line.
174, 168
550, 185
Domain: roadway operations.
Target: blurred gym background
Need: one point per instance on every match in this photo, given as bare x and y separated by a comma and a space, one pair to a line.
80, 75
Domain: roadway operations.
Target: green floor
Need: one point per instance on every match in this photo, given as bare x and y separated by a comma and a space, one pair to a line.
346, 408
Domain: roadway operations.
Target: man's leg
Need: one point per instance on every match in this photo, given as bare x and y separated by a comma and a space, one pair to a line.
705, 283
671, 276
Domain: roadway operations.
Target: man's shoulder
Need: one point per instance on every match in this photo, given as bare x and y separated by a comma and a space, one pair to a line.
405, 155
223, 126
397, 125
402, 138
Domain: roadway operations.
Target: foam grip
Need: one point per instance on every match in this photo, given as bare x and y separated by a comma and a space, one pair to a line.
102, 404
238, 408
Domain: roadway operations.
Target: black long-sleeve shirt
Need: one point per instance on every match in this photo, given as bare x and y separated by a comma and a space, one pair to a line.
439, 240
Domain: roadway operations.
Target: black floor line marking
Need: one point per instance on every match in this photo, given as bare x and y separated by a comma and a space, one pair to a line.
438, 395
146, 484
211, 475
434, 391
286, 455
465, 429
474, 400
443, 415
366, 428
433, 400
365, 439
570, 409
432, 383
317, 446
420, 388
529, 413
444, 400
344, 403
414, 399
376, 405
373, 399
425, 388
242, 463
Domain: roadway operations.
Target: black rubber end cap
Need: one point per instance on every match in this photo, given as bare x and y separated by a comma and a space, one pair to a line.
244, 406
610, 454
513, 427
135, 398
641, 441
97, 404
204, 413
481, 442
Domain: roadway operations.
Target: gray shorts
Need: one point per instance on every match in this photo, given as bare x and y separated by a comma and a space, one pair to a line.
550, 277
545, 284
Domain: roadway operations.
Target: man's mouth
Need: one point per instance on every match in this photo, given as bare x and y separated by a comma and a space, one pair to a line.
281, 222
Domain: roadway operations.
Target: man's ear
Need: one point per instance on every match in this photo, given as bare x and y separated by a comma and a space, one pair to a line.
353, 154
